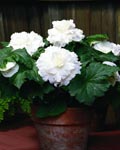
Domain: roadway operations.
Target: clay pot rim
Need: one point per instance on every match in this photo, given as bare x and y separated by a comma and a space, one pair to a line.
72, 116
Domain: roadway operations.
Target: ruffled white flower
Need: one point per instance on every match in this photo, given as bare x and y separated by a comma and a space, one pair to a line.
30, 41
104, 46
58, 65
63, 32
34, 42
116, 49
18, 40
116, 75
10, 69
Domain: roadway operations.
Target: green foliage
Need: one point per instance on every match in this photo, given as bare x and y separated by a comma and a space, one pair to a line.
4, 44
26, 86
25, 105
4, 106
33, 90
5, 54
9, 107
38, 53
92, 83
22, 57
97, 37
53, 108
26, 74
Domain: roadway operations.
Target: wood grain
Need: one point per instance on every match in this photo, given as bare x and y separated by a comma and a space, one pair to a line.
108, 21
91, 17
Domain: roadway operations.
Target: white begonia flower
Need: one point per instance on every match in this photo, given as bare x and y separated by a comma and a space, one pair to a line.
30, 41
116, 49
18, 40
63, 32
63, 25
10, 69
116, 75
104, 46
34, 42
58, 65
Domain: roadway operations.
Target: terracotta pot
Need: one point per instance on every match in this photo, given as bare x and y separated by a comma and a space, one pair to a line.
68, 131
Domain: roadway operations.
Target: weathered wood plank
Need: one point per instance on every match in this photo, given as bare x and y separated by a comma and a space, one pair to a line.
89, 16
117, 29
95, 19
15, 19
108, 20
2, 33
82, 16
33, 19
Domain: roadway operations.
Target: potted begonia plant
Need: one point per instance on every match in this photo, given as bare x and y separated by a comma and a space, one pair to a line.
66, 69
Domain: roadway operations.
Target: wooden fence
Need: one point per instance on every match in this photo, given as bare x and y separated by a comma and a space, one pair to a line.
90, 15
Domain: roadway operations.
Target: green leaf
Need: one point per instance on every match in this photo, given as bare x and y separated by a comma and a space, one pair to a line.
71, 46
6, 88
52, 109
32, 74
18, 79
88, 55
47, 43
92, 83
27, 69
37, 53
4, 106
5, 44
84, 53
100, 57
23, 57
26, 74
4, 54
47, 88
20, 55
25, 105
33, 90
96, 37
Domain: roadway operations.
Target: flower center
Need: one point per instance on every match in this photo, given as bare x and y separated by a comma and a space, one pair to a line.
58, 60
62, 28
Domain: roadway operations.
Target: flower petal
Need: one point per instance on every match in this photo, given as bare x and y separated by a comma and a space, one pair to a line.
9, 73
58, 65
9, 65
63, 32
